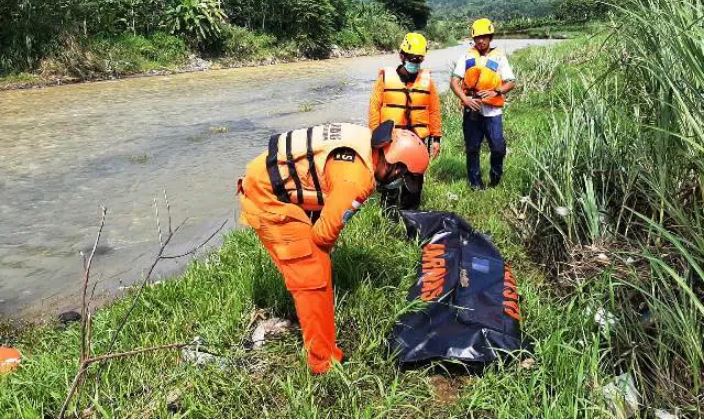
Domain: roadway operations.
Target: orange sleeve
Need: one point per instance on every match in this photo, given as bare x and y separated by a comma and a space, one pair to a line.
435, 111
376, 101
351, 183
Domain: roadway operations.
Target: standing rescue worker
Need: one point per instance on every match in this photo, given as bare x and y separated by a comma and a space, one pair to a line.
407, 95
331, 170
481, 80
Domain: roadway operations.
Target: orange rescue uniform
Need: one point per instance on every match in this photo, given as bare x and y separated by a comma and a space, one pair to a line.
327, 168
414, 105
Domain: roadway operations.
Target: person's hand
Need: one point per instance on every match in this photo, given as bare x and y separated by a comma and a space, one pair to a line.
488, 94
434, 149
473, 104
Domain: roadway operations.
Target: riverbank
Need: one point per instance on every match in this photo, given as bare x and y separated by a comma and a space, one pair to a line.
217, 297
190, 64
143, 57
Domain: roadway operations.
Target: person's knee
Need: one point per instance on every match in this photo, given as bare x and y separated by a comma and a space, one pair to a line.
495, 134
499, 150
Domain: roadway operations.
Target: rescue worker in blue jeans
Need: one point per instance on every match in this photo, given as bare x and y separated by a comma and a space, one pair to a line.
481, 80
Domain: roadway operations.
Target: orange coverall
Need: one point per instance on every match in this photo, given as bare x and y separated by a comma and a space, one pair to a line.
301, 250
377, 100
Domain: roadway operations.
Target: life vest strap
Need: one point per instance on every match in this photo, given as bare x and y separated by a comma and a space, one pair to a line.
292, 167
272, 168
405, 90
311, 164
411, 107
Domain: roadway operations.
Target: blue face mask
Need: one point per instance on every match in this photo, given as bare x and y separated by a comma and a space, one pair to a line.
412, 68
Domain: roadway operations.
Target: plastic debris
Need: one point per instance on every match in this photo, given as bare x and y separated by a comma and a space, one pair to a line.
453, 197
603, 258
528, 363
197, 357
622, 396
269, 328
604, 318
202, 358
10, 359
562, 211
664, 414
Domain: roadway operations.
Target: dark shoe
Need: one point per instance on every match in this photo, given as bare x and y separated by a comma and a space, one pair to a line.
477, 187
494, 182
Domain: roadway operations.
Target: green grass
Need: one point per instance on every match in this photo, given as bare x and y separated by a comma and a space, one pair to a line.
215, 298
18, 79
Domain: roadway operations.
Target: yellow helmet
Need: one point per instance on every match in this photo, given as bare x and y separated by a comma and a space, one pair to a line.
414, 44
482, 27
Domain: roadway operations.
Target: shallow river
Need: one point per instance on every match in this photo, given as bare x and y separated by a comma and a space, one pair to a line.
65, 151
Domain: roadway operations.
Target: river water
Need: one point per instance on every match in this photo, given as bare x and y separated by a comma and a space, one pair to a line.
64, 151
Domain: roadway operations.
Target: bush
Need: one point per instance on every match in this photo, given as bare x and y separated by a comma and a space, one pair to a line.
199, 21
580, 10
446, 32
416, 12
371, 25
93, 58
240, 43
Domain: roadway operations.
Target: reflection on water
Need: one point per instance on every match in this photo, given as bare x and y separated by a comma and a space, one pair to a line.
65, 151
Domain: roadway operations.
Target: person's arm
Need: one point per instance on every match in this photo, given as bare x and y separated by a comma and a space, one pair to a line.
375, 102
351, 183
508, 81
435, 120
435, 111
456, 85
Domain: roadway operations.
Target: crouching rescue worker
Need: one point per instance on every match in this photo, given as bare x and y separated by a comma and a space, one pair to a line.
407, 95
481, 80
329, 170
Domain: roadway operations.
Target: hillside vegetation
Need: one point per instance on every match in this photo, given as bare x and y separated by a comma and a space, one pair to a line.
85, 39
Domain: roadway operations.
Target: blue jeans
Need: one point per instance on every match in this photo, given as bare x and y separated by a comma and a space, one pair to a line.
475, 127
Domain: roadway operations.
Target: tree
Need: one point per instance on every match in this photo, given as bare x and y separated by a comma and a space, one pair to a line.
580, 10
415, 11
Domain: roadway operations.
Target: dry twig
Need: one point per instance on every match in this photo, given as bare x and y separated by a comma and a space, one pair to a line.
85, 360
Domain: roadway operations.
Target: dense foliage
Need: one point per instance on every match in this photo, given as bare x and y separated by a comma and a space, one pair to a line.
32, 31
416, 11
505, 10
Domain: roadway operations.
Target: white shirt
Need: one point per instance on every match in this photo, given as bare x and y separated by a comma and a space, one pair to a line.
504, 71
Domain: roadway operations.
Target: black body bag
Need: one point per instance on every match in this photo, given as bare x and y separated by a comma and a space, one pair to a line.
471, 311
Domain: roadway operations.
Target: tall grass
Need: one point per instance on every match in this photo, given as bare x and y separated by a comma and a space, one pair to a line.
622, 172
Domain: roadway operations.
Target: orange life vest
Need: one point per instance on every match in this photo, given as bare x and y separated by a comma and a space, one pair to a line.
482, 73
407, 106
296, 160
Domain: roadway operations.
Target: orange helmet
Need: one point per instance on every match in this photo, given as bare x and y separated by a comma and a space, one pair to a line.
407, 148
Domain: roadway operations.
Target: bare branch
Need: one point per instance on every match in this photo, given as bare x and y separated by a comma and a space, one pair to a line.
158, 222
168, 211
74, 386
193, 250
83, 369
86, 280
158, 258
